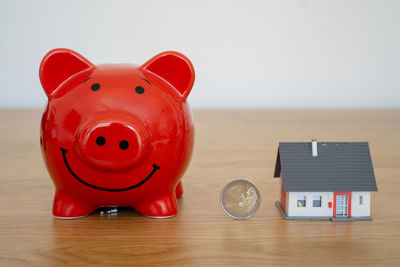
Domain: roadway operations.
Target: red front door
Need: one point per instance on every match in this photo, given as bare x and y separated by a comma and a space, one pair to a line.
342, 204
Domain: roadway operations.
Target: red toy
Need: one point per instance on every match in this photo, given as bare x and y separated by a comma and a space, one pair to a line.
116, 134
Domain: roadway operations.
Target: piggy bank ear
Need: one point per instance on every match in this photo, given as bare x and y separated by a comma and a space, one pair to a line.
59, 65
174, 68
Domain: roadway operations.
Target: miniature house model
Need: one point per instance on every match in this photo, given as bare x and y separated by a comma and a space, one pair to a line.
325, 180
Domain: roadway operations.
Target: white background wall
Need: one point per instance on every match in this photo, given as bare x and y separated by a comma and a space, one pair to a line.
247, 54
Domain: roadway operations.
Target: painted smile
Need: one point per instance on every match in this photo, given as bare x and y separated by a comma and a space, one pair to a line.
64, 152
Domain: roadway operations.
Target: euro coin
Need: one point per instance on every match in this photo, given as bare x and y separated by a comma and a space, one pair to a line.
240, 199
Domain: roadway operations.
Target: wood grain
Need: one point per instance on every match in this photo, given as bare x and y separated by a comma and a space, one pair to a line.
229, 144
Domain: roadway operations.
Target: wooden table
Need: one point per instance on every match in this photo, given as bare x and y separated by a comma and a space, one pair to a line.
229, 144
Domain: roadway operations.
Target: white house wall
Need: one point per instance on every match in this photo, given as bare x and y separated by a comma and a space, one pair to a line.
309, 210
357, 209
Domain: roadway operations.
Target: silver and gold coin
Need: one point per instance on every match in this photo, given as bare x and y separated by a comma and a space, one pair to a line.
240, 199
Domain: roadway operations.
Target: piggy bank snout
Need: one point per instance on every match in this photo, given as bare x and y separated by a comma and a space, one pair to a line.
112, 145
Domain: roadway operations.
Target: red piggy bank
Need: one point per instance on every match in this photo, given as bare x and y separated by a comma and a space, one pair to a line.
116, 134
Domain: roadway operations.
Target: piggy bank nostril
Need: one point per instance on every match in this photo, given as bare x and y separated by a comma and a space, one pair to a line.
112, 145
124, 144
100, 141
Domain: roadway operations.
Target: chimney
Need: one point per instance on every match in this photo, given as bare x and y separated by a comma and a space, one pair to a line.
314, 148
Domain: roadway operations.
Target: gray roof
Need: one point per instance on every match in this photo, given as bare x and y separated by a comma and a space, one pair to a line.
339, 167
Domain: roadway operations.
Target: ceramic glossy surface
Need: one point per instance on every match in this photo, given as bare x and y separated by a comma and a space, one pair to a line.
116, 134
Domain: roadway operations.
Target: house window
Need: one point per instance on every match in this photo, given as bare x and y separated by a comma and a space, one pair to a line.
301, 201
316, 201
361, 200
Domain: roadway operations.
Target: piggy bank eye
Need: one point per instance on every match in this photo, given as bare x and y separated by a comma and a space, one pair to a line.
139, 90
95, 87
